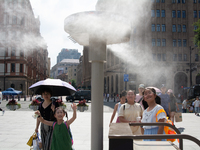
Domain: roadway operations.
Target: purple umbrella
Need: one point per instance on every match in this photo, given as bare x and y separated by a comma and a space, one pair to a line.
57, 86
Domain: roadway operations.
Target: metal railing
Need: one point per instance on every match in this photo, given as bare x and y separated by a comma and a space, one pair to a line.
159, 136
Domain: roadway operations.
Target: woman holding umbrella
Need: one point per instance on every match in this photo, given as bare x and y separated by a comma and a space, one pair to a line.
46, 109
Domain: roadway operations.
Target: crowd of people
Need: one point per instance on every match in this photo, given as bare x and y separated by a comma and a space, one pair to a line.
147, 105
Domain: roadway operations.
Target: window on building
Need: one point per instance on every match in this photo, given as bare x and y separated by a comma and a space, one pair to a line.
195, 27
75, 74
66, 68
196, 57
21, 53
159, 57
179, 28
195, 1
158, 42
173, 13
179, 42
179, 57
174, 57
152, 13
13, 51
199, 1
153, 28
178, 14
183, 1
12, 67
163, 28
173, 1
164, 57
185, 57
153, 42
199, 13
162, 1
74, 70
21, 68
154, 56
158, 27
152, 1
174, 42
14, 20
178, 1
157, 1
163, 42
184, 43
163, 13
173, 28
184, 28
157, 13
195, 14
184, 14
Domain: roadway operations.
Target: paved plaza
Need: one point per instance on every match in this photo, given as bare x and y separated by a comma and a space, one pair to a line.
17, 126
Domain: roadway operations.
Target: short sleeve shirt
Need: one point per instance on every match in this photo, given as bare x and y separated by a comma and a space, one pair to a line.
150, 116
184, 104
196, 103
165, 100
131, 112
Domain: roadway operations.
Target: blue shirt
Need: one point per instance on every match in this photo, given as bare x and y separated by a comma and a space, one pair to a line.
165, 100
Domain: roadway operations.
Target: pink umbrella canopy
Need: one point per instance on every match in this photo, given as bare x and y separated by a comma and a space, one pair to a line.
57, 86
157, 89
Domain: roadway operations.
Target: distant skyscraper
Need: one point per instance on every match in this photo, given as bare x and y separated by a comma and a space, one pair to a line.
68, 54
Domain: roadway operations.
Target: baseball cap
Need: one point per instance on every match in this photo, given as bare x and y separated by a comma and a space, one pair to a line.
141, 86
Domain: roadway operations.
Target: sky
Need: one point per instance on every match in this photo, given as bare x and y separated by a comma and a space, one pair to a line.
52, 14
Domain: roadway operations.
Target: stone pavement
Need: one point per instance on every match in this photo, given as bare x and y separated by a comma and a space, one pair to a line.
17, 126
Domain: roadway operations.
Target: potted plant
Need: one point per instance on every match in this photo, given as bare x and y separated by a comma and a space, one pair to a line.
34, 104
60, 103
82, 106
13, 105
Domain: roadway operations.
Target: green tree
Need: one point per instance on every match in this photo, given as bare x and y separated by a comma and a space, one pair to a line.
197, 33
74, 83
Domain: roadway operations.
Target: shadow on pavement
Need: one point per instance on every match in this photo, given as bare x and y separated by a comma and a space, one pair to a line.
181, 129
110, 104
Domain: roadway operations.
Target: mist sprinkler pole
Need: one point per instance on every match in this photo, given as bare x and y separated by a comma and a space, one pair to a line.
97, 56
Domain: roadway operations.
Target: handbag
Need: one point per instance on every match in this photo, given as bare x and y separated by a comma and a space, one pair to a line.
178, 116
30, 141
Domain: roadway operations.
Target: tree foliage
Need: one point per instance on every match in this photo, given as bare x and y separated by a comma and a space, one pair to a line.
197, 33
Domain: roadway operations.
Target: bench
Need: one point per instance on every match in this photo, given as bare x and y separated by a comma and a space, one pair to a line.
121, 137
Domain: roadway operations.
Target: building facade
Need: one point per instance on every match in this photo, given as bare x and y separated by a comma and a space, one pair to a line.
67, 67
68, 54
161, 48
22, 60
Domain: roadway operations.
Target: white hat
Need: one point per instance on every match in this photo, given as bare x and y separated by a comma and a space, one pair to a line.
141, 86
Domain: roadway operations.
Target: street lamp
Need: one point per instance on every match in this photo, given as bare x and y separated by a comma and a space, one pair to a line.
191, 66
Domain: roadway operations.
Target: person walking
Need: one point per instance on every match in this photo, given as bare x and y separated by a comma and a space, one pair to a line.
46, 109
1, 99
139, 96
61, 139
173, 104
165, 100
196, 105
118, 105
154, 113
129, 112
184, 105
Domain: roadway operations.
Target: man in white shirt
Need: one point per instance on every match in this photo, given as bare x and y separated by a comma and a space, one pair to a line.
1, 102
196, 105
184, 105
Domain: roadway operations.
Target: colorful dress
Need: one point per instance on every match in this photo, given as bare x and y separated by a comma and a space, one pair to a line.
61, 139
153, 116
